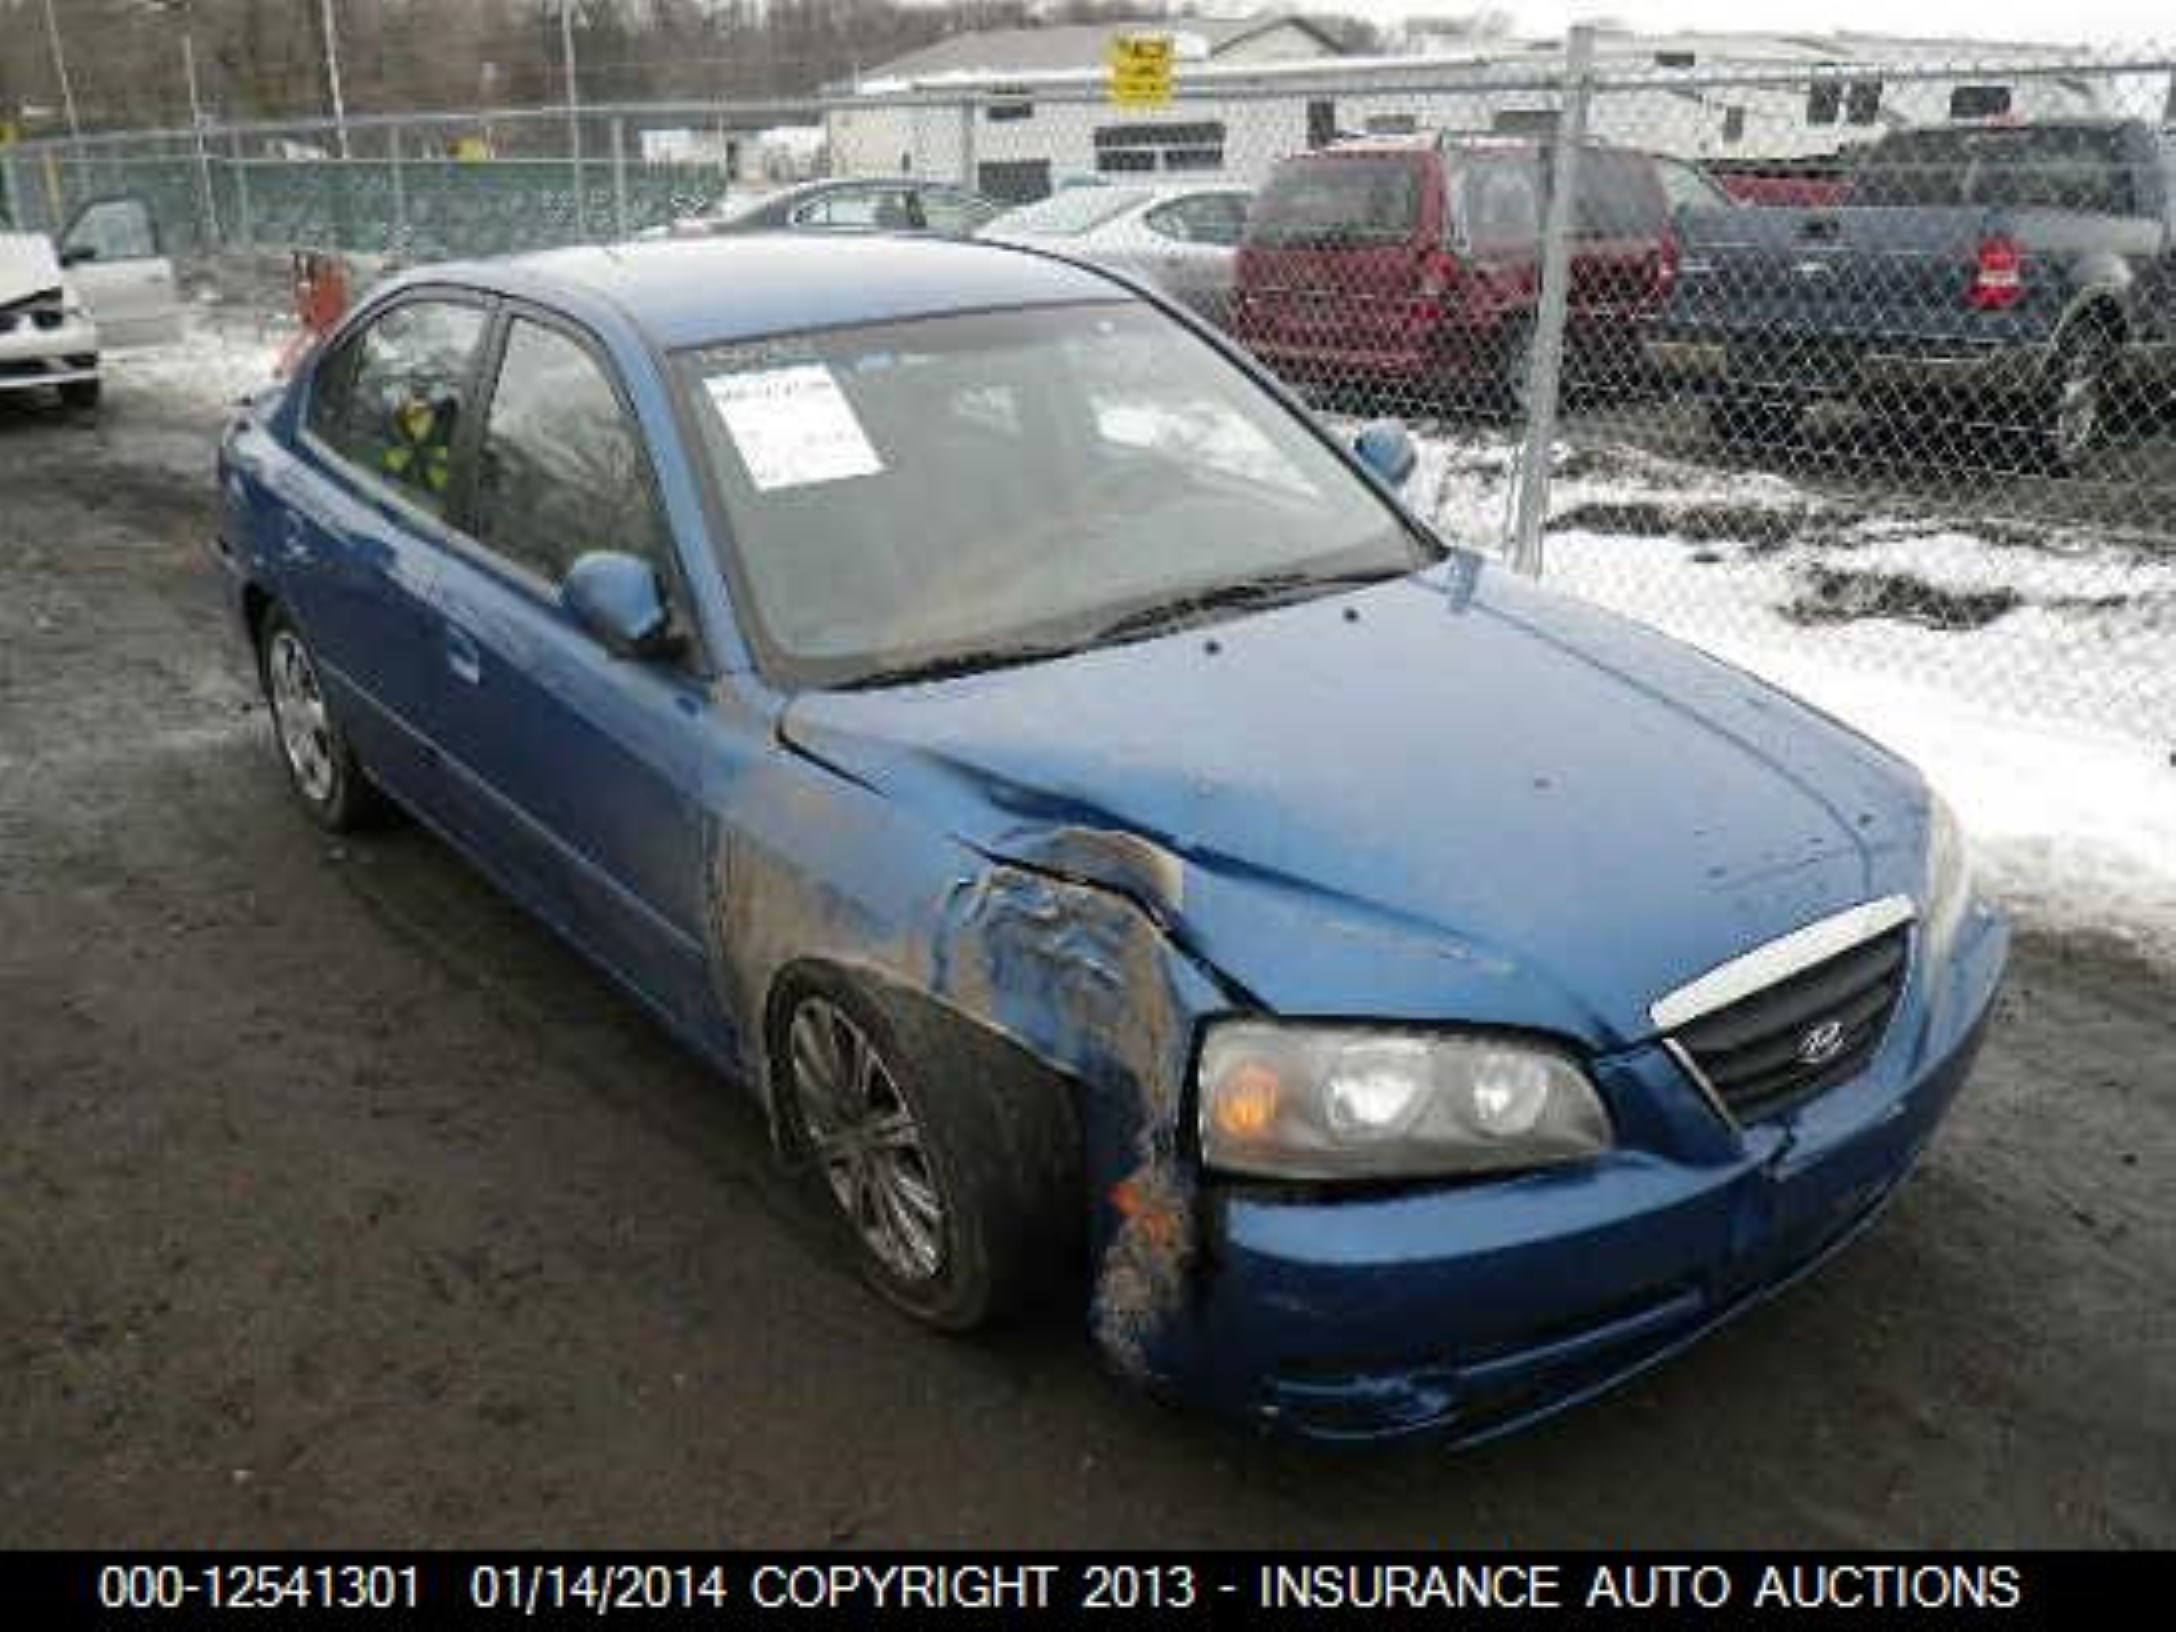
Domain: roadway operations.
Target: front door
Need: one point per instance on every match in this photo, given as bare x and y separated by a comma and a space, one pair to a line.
111, 252
575, 772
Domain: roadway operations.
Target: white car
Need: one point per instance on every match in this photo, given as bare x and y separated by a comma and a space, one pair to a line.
1181, 239
107, 286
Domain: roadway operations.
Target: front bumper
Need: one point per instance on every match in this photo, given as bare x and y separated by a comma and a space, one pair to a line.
33, 356
1469, 1311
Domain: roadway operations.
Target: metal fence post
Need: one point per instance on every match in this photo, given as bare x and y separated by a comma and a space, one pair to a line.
245, 226
1545, 365
581, 202
400, 192
619, 179
967, 142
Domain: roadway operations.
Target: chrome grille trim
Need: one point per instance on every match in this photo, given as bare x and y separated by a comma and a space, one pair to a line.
1778, 960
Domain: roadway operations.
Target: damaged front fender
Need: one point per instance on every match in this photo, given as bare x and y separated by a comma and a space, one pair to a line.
1062, 948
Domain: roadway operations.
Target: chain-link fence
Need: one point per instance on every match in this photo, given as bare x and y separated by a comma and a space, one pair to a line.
1866, 358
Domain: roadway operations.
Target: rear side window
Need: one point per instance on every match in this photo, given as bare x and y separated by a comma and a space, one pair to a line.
390, 400
954, 214
2061, 167
1499, 203
1206, 218
561, 471
1331, 203
1619, 197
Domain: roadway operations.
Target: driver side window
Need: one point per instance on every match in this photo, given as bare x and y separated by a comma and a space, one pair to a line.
562, 470
112, 229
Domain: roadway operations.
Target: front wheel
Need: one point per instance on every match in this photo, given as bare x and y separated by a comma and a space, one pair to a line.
950, 1171
82, 395
321, 767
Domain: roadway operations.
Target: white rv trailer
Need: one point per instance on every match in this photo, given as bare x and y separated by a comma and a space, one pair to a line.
1735, 99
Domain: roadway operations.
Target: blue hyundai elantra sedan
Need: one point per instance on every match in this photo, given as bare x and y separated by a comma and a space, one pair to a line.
1125, 851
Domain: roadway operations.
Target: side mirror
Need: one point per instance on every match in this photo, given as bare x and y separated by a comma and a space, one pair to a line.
77, 254
1387, 450
617, 599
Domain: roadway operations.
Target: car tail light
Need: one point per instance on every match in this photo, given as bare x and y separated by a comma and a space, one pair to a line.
1439, 272
1998, 280
1669, 260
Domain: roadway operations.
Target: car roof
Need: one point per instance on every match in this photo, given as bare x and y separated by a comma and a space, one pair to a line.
705, 291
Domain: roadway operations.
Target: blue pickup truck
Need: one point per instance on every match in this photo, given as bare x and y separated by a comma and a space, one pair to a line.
2016, 278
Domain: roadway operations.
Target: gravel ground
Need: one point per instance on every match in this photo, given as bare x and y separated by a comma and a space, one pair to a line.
340, 1205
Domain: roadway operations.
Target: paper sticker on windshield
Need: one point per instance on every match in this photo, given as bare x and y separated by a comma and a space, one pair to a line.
793, 426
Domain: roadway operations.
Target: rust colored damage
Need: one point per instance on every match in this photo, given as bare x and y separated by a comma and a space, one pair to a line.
1073, 968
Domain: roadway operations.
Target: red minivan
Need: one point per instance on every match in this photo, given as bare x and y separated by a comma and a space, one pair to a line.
1416, 263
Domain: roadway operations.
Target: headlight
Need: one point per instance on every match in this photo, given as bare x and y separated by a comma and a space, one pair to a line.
1949, 877
1347, 1102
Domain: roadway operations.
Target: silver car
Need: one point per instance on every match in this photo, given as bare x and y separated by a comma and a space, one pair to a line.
1181, 239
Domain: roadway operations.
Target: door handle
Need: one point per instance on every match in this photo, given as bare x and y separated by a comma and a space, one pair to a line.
462, 656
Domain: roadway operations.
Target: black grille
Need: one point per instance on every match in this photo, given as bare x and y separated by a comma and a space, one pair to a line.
1758, 1053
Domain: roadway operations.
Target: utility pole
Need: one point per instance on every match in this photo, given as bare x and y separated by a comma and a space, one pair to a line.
206, 200
207, 206
60, 72
332, 73
574, 113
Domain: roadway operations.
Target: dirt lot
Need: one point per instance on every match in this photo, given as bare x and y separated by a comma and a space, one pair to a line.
338, 1204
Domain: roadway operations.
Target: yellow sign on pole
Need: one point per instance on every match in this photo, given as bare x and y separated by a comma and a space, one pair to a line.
9, 135
1141, 70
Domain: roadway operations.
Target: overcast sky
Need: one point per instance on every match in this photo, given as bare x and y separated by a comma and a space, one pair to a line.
2090, 21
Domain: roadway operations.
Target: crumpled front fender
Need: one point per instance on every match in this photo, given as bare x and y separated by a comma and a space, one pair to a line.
1081, 973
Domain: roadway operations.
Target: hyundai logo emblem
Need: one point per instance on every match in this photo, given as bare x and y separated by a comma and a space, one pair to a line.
1822, 1044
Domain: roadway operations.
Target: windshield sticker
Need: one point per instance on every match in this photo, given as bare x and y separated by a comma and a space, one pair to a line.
792, 426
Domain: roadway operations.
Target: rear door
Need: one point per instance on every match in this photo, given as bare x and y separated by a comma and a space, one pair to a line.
1622, 217
1187, 248
1331, 260
1496, 231
112, 253
575, 772
361, 521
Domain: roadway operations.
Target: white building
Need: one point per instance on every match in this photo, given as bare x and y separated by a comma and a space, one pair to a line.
1016, 112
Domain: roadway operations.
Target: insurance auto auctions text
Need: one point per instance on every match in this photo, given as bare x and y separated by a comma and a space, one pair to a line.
1524, 1586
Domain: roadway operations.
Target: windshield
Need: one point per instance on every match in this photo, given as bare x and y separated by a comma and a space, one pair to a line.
1338, 201
1067, 214
997, 486
2059, 167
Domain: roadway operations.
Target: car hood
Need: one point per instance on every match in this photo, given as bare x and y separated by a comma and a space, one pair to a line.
1454, 796
28, 266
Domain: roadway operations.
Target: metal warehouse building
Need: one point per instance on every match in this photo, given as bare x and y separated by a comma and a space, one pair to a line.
1016, 112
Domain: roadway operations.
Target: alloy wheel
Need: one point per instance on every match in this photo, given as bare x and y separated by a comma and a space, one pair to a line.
298, 711
864, 1134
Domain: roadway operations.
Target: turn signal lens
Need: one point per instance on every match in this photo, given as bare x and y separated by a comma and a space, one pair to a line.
1245, 1100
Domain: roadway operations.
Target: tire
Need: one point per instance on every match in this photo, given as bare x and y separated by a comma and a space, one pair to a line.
2075, 414
1748, 421
950, 1162
1514, 363
328, 780
82, 395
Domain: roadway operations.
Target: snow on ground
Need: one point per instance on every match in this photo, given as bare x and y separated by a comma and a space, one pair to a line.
2029, 670
221, 358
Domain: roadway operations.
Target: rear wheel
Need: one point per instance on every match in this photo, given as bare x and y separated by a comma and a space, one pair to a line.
1745, 420
2075, 416
1514, 368
322, 769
